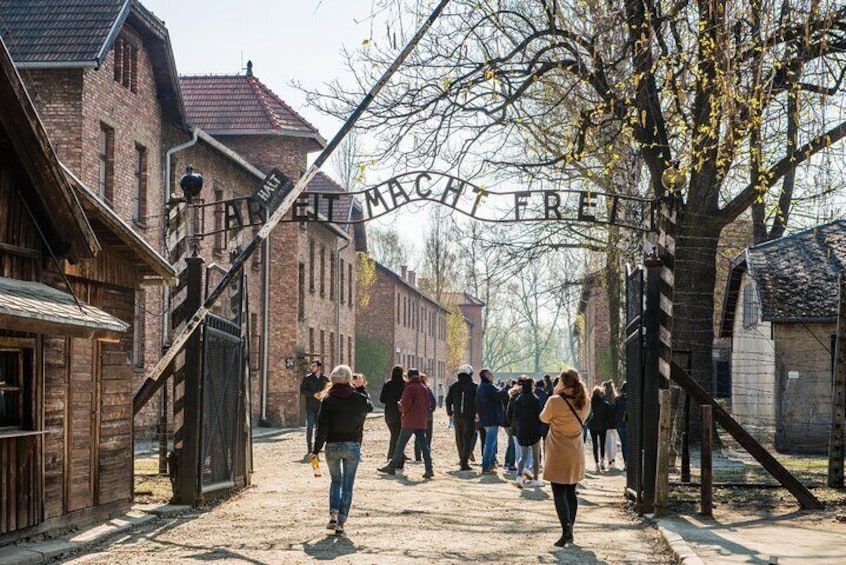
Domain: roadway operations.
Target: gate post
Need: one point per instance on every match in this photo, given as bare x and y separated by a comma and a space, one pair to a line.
649, 390
186, 487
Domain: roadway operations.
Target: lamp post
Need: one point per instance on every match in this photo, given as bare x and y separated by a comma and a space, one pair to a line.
191, 184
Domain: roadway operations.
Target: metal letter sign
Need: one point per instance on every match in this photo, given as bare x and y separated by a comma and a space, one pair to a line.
481, 204
273, 189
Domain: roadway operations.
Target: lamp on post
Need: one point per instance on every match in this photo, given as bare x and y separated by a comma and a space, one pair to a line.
191, 184
673, 179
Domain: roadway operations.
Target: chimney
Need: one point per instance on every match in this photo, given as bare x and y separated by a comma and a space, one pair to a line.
412, 278
404, 270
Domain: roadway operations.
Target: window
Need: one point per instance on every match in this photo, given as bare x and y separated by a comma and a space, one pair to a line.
349, 285
311, 265
301, 292
322, 271
138, 330
341, 345
399, 310
342, 283
140, 184
751, 307
255, 339
331, 349
332, 260
349, 351
311, 342
13, 392
323, 346
106, 183
126, 64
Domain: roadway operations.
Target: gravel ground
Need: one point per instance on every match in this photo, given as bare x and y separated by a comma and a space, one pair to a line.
457, 517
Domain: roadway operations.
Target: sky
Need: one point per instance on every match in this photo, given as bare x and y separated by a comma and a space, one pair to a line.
287, 41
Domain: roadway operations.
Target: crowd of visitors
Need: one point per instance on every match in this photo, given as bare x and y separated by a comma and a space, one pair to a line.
546, 423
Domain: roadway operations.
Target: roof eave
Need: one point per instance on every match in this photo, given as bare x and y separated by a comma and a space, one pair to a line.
156, 263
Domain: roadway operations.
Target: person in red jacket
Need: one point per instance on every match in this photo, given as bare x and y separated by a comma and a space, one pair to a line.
414, 408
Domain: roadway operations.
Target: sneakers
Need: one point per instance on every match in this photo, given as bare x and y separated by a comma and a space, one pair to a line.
428, 474
518, 482
339, 529
387, 469
534, 483
465, 467
489, 471
596, 466
602, 465
333, 523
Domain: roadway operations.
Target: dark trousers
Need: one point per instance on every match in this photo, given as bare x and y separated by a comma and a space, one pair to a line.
465, 433
417, 453
597, 438
311, 426
566, 505
510, 452
394, 428
481, 438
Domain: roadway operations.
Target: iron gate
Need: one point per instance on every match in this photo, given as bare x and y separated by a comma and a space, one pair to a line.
222, 403
634, 379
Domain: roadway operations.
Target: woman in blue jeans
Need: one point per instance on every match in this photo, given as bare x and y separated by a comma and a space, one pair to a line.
340, 427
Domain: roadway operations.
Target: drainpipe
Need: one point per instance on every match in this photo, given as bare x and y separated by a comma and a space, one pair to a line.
265, 325
338, 291
166, 298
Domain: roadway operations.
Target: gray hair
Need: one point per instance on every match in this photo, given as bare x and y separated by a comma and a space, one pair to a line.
341, 374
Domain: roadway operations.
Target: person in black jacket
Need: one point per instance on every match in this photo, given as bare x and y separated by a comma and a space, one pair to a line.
600, 421
311, 387
523, 413
461, 407
340, 426
391, 394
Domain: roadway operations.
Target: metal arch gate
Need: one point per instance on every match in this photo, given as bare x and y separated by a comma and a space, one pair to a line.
634, 381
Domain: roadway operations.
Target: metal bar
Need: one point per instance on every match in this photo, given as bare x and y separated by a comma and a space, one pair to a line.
182, 337
706, 489
217, 486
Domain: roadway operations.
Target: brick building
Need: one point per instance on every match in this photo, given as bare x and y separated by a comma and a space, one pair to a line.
401, 326
594, 332
304, 279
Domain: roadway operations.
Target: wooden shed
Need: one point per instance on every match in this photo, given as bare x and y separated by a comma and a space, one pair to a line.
70, 274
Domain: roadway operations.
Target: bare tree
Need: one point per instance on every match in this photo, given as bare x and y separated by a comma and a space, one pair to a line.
686, 82
386, 248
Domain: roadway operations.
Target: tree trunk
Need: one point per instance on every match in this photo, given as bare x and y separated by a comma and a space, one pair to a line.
693, 298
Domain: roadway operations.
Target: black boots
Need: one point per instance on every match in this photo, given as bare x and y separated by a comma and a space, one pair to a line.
566, 537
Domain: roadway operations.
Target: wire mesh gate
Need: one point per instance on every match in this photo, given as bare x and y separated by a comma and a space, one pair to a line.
222, 404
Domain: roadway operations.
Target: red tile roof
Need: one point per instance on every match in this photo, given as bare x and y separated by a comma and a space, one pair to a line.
228, 104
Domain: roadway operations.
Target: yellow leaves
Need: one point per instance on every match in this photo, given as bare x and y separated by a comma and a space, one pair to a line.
490, 74
365, 42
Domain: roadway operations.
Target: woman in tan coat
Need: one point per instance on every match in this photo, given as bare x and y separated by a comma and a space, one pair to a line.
565, 412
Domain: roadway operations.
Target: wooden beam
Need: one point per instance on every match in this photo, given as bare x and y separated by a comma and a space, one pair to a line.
755, 449
662, 467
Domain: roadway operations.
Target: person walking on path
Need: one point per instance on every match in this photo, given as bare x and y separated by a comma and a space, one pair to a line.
430, 419
340, 426
489, 400
620, 420
461, 407
564, 466
311, 388
598, 425
414, 407
610, 395
440, 395
389, 397
524, 413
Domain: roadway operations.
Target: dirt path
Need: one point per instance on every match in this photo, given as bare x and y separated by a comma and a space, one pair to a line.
455, 518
